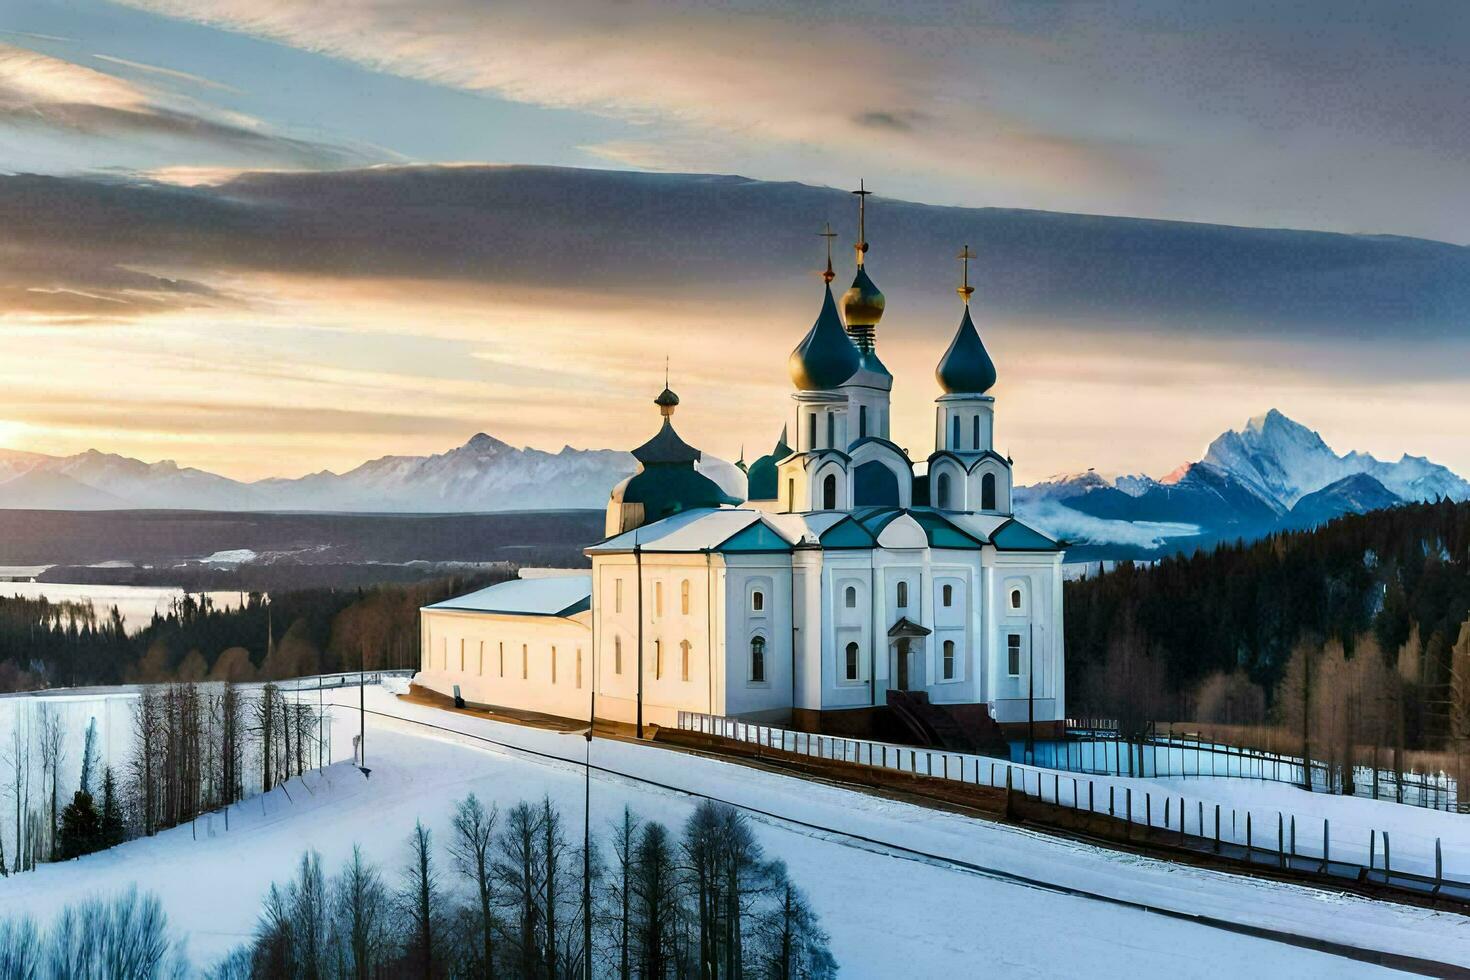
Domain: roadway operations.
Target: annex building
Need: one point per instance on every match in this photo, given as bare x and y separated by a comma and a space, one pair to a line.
835, 584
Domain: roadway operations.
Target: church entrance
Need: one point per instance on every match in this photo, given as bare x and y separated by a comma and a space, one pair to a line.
906, 655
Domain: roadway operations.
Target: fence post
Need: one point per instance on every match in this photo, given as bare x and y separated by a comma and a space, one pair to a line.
1387, 859
1009, 805
1439, 869
1089, 796
1148, 810
1247, 837
929, 762
1217, 828
1293, 836
1181, 816
1128, 827
1112, 811
1168, 810
945, 760
1280, 840
1372, 849
1326, 842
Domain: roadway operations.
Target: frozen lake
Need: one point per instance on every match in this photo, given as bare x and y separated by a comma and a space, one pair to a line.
136, 603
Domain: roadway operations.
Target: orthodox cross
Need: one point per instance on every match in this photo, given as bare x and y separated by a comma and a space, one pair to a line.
862, 243
966, 290
828, 275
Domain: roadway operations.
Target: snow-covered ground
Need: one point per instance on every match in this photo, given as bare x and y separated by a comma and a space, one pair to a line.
889, 913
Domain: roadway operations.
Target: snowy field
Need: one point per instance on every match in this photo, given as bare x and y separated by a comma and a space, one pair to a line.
889, 913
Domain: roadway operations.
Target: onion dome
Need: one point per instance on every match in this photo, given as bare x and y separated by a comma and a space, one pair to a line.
761, 480
666, 447
965, 368
826, 356
666, 401
667, 481
862, 304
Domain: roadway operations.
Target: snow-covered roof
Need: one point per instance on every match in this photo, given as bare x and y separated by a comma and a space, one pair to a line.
559, 596
693, 530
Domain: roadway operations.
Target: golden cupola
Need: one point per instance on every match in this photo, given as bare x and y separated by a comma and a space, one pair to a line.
862, 304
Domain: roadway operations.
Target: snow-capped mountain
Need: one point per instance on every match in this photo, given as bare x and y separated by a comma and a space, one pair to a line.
484, 474
1272, 473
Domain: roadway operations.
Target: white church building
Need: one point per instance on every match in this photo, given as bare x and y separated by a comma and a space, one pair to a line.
834, 588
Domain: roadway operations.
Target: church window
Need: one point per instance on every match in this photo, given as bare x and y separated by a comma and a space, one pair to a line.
617, 655
954, 433
811, 431
502, 659
1013, 654
849, 598
757, 601
829, 492
684, 597
461, 655
976, 433
482, 658
525, 662
758, 659
862, 421
579, 668
902, 599
948, 595
831, 430
949, 660
658, 598
617, 595
658, 659
553, 665
684, 659
791, 493
1015, 598
851, 665
941, 493
987, 492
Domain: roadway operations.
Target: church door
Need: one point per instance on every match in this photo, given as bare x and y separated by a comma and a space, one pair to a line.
903, 664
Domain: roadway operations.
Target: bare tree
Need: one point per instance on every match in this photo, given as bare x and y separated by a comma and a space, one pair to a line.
361, 918
53, 754
518, 871
655, 898
471, 848
421, 900
625, 846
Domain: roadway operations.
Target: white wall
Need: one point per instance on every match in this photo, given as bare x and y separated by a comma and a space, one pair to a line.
771, 696
1038, 624
508, 660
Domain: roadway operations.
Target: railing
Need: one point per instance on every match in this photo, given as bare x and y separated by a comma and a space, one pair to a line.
1238, 835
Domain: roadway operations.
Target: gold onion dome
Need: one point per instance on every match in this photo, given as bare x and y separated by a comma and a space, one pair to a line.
862, 304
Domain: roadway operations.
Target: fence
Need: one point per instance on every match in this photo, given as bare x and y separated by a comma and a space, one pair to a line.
1285, 842
1096, 748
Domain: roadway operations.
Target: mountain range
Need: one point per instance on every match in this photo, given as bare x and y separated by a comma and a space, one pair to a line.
1271, 474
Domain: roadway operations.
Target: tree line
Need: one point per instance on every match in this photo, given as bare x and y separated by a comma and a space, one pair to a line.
45, 644
509, 902
195, 748
1350, 642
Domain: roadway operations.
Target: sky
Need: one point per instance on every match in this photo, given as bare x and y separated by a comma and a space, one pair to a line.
266, 237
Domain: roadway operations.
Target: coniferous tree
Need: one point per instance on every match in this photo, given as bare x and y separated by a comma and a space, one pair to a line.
81, 828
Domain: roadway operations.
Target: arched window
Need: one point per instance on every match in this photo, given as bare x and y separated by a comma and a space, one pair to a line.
977, 434
954, 435
949, 595
684, 659
684, 597
849, 598
758, 659
949, 660
852, 662
617, 655
829, 492
831, 430
902, 597
862, 421
757, 601
987, 492
941, 492
1015, 598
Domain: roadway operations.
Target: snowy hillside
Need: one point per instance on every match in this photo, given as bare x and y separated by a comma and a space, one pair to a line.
872, 850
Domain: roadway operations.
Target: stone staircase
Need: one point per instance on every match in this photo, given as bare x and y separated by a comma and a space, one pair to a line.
934, 725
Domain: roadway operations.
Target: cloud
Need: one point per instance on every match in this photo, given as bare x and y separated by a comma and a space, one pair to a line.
726, 75
69, 99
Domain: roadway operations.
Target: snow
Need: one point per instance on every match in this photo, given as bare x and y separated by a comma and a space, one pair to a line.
1060, 521
889, 913
536, 596
135, 603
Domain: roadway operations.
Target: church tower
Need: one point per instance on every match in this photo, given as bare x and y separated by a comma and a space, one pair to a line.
965, 471
868, 389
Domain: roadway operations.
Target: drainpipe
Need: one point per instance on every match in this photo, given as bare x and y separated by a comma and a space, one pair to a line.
792, 579
709, 622
638, 564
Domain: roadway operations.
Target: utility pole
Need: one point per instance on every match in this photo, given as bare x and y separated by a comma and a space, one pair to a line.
1031, 693
587, 824
638, 565
362, 712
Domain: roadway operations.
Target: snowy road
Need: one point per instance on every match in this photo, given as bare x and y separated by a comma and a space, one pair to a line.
889, 914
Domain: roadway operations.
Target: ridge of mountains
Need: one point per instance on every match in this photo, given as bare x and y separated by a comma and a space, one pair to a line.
1273, 473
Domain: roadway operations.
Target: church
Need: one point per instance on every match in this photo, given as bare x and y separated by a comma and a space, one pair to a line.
834, 585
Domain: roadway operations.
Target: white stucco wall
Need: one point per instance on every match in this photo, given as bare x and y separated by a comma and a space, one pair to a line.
506, 660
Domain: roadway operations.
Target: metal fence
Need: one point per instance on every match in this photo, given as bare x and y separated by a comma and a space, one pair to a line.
1275, 839
1094, 746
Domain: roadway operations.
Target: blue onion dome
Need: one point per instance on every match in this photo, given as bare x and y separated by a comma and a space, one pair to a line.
762, 478
862, 304
965, 368
826, 356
